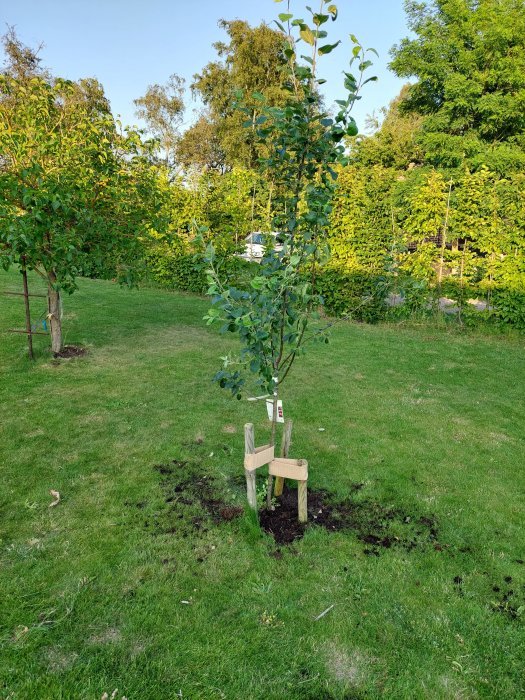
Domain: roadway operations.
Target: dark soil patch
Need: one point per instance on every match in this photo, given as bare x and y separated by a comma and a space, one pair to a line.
377, 526
509, 602
69, 351
193, 499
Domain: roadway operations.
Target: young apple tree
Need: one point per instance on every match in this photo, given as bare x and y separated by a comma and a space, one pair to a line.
304, 145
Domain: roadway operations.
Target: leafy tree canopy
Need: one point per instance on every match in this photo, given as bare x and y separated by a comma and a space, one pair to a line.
252, 61
72, 185
468, 58
162, 108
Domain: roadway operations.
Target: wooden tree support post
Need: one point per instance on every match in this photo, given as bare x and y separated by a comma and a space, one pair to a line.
28, 313
285, 449
302, 501
280, 467
249, 448
296, 469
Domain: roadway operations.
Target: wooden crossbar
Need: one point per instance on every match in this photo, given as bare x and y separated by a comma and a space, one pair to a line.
262, 455
21, 294
289, 468
14, 330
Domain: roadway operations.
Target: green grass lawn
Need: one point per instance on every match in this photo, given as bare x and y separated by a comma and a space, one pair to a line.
430, 423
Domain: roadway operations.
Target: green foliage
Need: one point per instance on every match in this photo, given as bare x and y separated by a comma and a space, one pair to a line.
162, 108
252, 61
303, 145
63, 190
509, 307
468, 59
360, 230
176, 269
359, 295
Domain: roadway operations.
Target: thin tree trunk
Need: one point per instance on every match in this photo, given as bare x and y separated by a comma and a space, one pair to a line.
444, 239
285, 449
272, 442
54, 313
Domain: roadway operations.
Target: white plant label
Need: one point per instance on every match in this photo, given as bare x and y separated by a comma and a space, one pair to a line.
269, 408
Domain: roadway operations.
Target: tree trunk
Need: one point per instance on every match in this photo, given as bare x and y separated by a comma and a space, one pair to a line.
269, 490
54, 308
285, 449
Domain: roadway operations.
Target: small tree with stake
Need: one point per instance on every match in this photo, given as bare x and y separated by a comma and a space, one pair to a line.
72, 188
277, 315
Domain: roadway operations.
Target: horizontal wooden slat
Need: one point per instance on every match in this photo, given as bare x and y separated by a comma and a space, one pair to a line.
289, 468
262, 455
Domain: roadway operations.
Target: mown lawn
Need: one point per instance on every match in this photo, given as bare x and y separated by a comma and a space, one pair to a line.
430, 427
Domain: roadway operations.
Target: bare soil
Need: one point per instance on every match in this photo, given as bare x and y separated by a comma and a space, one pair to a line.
377, 526
69, 351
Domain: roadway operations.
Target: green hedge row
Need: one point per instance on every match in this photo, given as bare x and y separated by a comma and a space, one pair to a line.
360, 295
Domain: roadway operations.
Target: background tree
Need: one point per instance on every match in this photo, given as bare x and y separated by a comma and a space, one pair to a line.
395, 143
468, 58
200, 147
162, 108
252, 61
71, 185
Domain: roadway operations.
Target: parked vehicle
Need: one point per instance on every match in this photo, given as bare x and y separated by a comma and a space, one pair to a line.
257, 242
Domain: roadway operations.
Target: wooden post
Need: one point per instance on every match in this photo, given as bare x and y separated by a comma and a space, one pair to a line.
249, 448
28, 311
285, 449
302, 501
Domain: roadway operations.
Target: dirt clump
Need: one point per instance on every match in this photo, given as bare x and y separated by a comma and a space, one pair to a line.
69, 351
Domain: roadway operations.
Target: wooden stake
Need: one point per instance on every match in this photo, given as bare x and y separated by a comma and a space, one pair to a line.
302, 501
285, 449
249, 448
28, 312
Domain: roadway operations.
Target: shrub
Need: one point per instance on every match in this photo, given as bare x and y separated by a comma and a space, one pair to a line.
176, 269
359, 294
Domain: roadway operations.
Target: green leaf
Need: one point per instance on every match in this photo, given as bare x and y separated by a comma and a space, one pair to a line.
306, 34
285, 16
320, 19
328, 48
364, 65
351, 129
332, 9
354, 39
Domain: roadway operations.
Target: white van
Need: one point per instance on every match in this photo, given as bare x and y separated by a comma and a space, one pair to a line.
255, 244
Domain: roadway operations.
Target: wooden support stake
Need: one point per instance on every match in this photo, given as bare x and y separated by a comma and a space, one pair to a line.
249, 448
28, 313
302, 501
269, 493
285, 449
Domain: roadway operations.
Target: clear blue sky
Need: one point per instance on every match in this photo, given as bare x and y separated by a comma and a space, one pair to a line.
129, 44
